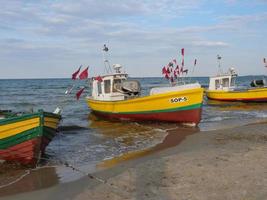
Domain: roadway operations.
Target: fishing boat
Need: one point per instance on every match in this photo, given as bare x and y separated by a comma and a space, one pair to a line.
115, 96
24, 137
223, 88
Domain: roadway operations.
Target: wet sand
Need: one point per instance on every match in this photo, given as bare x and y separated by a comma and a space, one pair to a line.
221, 164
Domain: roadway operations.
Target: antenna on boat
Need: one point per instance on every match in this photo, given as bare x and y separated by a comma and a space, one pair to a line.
219, 63
105, 59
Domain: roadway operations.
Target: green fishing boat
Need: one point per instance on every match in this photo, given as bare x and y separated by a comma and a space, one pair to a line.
24, 137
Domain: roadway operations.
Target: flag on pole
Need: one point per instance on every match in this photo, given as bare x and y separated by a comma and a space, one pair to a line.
177, 70
84, 74
75, 74
99, 79
78, 94
164, 70
264, 61
182, 51
167, 76
195, 63
174, 61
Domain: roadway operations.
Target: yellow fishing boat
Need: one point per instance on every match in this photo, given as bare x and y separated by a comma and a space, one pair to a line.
116, 97
223, 88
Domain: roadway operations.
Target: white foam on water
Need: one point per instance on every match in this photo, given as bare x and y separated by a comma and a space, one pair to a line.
217, 119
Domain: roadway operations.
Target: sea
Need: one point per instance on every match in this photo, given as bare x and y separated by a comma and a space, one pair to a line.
84, 140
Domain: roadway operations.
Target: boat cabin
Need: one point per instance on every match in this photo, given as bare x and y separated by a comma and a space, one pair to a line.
223, 82
114, 87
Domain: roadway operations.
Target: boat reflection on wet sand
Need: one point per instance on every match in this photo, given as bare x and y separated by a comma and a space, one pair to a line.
174, 134
33, 179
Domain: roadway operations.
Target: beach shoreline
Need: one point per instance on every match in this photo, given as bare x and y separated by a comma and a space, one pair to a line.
221, 164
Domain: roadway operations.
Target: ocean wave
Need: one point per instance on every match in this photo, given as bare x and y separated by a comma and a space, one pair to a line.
216, 119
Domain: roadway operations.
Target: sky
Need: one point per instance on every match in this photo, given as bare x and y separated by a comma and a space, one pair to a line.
52, 38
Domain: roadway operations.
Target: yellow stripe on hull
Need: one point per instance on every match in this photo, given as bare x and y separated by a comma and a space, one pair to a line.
251, 94
166, 101
18, 127
51, 122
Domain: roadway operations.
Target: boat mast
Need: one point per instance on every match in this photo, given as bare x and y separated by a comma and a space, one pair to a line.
219, 64
105, 59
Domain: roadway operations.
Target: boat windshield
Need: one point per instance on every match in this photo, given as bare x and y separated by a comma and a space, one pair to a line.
232, 82
99, 88
107, 86
225, 82
116, 82
217, 84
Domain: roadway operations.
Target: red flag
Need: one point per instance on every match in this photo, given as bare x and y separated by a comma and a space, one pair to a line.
75, 74
78, 94
177, 70
174, 60
167, 76
99, 79
164, 70
182, 51
195, 63
84, 74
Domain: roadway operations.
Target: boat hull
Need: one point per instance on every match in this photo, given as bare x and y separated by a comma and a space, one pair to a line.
179, 106
23, 139
250, 95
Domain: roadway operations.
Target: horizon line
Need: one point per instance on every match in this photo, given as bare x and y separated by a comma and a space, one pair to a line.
130, 77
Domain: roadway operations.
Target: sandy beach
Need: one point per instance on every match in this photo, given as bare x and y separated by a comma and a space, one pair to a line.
222, 164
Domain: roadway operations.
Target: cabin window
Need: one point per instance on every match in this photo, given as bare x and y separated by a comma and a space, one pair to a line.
233, 82
99, 88
225, 82
107, 86
115, 82
217, 84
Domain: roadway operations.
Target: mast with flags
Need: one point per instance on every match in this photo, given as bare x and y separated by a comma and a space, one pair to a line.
75, 76
174, 71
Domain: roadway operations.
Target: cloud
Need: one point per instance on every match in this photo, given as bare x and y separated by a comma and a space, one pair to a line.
73, 31
210, 44
244, 19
